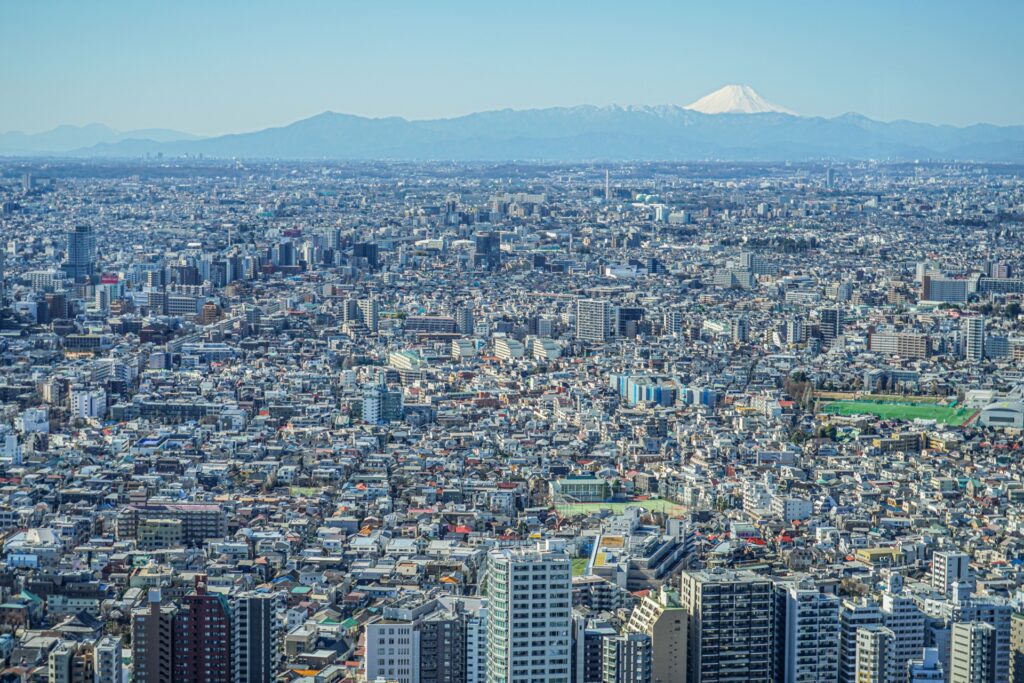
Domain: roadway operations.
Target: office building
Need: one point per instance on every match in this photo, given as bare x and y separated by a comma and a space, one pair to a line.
529, 594
80, 258
488, 251
369, 252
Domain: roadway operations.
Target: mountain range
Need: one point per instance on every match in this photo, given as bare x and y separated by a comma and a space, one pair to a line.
732, 124
71, 139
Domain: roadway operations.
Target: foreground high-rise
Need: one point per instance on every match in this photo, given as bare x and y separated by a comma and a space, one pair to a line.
530, 615
729, 626
257, 631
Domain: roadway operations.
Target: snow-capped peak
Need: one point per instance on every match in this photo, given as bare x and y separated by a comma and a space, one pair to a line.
736, 99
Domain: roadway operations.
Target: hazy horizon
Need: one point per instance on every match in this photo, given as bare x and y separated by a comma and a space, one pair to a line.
234, 67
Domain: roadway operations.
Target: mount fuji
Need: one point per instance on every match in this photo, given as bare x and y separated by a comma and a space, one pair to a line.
736, 99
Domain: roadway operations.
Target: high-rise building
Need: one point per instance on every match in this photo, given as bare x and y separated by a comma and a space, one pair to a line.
963, 608
942, 289
488, 251
442, 645
529, 592
70, 662
794, 331
596, 320
369, 251
370, 310
588, 635
830, 324
903, 344
741, 330
729, 626
672, 322
80, 260
660, 616
153, 641
628, 658
435, 641
381, 405
202, 638
257, 631
949, 568
628, 322
854, 615
1016, 669
972, 653
974, 339
464, 319
811, 636
901, 615
1000, 269
756, 264
476, 639
107, 660
876, 660
392, 649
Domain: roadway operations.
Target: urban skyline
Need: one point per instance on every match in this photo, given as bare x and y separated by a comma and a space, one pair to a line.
723, 390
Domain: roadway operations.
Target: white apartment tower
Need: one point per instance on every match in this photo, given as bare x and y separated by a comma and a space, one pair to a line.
595, 320
949, 568
529, 615
974, 339
812, 636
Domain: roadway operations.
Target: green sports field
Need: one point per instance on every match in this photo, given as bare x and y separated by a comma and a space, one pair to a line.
579, 565
900, 411
656, 505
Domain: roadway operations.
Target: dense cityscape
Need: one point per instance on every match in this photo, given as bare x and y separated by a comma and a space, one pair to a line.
503, 423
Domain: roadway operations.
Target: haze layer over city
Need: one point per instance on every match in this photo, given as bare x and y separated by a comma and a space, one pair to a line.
462, 343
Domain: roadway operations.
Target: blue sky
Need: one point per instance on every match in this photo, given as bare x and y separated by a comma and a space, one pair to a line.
220, 66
